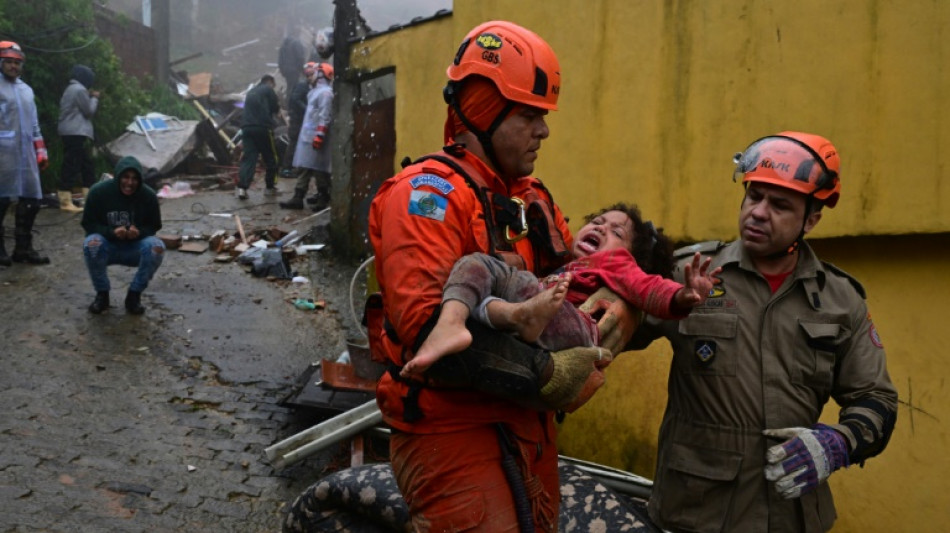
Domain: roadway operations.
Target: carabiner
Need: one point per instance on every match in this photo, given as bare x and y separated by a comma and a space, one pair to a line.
524, 223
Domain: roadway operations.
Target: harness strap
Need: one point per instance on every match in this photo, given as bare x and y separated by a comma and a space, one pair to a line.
502, 213
533, 505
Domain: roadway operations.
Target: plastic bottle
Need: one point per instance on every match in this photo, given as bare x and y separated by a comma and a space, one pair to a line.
305, 304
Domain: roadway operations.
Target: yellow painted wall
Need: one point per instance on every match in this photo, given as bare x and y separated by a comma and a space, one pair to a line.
905, 488
656, 98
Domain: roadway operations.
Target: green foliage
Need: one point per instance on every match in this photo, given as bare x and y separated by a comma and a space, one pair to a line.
57, 34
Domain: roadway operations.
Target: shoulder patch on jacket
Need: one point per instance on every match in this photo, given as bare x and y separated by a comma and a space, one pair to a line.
837, 271
437, 182
428, 204
705, 248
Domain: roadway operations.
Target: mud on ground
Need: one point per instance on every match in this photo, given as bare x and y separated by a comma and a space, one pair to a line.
158, 422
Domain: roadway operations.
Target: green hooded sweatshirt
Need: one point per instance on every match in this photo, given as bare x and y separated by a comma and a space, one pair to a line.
108, 208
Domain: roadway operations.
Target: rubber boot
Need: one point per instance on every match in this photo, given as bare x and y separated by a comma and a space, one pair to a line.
294, 203
321, 200
133, 302
4, 258
66, 202
23, 251
101, 303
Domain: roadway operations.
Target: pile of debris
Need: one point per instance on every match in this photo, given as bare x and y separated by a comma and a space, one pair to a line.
168, 145
267, 251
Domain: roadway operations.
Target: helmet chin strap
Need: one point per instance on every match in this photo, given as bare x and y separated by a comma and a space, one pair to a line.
484, 136
792, 248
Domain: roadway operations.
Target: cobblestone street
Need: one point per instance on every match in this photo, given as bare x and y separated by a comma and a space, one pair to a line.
158, 422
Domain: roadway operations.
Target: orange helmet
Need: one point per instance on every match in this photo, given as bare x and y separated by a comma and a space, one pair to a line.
326, 69
803, 162
521, 64
10, 49
309, 68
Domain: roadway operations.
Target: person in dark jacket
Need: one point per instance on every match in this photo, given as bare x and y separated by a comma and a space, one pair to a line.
290, 56
257, 133
296, 107
121, 218
76, 109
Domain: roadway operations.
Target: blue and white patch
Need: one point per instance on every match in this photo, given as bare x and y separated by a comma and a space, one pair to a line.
436, 182
705, 350
428, 204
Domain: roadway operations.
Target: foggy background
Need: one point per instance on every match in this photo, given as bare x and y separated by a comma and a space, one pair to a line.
212, 26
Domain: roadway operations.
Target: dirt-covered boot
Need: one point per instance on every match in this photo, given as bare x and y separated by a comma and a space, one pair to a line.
133, 303
101, 303
294, 203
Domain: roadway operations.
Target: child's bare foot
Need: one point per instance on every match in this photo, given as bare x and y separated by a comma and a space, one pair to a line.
530, 317
445, 339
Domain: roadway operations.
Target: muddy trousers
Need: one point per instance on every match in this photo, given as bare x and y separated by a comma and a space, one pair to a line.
322, 179
477, 278
257, 142
455, 481
146, 254
24, 217
77, 163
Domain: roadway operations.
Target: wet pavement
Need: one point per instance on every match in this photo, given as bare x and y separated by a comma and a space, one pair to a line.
159, 422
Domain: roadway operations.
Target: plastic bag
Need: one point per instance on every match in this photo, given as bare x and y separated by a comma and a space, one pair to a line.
271, 263
177, 190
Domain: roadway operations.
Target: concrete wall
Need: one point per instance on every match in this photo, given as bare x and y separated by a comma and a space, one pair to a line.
657, 97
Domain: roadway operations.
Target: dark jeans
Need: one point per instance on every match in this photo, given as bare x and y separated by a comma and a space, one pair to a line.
77, 163
258, 142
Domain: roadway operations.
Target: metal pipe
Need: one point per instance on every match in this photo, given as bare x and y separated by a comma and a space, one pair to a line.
308, 442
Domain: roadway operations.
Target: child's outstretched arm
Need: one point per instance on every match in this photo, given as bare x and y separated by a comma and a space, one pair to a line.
698, 280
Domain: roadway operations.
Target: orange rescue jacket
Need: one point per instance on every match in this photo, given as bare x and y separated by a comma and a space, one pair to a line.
421, 221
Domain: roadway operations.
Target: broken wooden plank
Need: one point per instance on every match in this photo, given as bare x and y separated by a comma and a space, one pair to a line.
199, 83
240, 228
194, 247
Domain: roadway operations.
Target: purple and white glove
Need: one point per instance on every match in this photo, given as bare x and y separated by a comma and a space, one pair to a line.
806, 459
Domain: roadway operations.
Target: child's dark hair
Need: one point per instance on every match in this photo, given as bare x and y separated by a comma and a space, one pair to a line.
652, 250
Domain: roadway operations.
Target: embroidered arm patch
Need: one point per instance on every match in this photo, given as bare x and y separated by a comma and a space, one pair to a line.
436, 182
428, 204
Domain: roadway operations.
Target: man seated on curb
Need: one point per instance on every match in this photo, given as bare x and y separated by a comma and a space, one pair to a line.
121, 218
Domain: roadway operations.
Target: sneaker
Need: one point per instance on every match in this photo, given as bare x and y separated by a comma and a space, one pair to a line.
242, 194
286, 173
271, 191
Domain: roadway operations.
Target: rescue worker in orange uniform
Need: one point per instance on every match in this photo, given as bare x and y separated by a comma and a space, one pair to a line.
466, 460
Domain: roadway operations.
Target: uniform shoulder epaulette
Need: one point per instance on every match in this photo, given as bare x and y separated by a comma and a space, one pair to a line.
705, 248
835, 270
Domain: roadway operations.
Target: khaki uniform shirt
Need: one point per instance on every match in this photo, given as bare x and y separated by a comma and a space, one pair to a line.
749, 360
